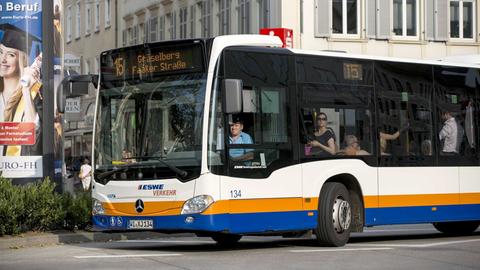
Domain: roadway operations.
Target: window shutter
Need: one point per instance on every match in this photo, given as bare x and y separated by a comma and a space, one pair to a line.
429, 19
384, 28
322, 18
371, 18
441, 20
275, 13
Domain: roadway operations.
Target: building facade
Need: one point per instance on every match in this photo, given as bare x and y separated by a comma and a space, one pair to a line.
89, 28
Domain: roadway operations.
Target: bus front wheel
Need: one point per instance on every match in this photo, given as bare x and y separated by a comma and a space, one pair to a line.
457, 228
334, 215
225, 239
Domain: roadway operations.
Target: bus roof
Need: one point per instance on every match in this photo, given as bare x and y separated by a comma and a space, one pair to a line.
221, 42
441, 62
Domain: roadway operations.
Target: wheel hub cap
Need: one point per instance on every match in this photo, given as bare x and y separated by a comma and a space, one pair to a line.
341, 215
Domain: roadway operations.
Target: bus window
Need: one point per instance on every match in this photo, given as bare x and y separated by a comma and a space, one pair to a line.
457, 115
336, 112
404, 105
124, 135
336, 97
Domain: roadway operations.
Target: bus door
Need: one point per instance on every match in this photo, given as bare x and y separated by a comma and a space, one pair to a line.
411, 186
259, 174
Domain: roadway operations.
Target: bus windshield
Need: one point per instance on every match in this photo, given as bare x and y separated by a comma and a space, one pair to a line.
138, 124
149, 120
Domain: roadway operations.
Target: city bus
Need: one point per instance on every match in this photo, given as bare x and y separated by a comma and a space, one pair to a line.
331, 142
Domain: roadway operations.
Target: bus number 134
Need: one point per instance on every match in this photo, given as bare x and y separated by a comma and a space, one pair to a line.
236, 193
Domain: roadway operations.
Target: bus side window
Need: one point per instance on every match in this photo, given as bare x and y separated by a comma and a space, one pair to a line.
457, 115
405, 122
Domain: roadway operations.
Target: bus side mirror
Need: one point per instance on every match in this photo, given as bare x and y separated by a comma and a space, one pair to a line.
232, 96
73, 86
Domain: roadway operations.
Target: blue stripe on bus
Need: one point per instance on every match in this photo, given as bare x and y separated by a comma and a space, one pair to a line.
291, 221
233, 223
421, 214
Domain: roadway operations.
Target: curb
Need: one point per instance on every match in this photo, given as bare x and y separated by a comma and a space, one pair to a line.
36, 239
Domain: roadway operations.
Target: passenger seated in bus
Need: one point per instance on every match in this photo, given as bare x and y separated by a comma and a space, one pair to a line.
427, 148
448, 134
237, 136
352, 147
384, 137
323, 142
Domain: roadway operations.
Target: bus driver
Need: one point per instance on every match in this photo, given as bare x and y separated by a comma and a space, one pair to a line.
237, 136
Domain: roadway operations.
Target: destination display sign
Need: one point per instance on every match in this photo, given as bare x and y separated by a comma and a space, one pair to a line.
145, 62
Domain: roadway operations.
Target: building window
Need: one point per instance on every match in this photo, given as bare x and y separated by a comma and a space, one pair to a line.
224, 17
124, 38
69, 23
153, 29
206, 17
172, 27
135, 35
130, 36
88, 20
405, 18
243, 16
97, 16
192, 21
161, 33
183, 23
78, 20
462, 19
108, 14
142, 33
345, 17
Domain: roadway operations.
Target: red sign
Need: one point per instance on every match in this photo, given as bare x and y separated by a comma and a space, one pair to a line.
285, 34
14, 133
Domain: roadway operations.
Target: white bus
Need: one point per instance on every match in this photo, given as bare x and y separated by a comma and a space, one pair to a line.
329, 142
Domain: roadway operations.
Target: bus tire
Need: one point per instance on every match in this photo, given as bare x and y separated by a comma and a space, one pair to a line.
334, 215
225, 239
457, 228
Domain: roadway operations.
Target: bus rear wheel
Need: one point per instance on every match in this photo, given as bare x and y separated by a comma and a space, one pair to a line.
334, 215
457, 228
225, 239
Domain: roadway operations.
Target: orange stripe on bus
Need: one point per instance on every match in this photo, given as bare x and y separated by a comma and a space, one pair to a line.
150, 208
289, 204
469, 198
370, 201
255, 206
418, 200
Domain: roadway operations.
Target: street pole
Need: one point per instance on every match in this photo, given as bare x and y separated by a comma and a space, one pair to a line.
48, 92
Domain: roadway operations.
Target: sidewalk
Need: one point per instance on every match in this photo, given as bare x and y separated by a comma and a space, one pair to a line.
38, 239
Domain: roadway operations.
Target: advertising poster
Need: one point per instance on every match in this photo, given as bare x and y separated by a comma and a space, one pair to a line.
21, 89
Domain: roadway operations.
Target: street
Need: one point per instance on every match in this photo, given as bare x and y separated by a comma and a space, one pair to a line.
386, 247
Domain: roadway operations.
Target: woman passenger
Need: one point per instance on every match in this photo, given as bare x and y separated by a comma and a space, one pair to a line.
324, 139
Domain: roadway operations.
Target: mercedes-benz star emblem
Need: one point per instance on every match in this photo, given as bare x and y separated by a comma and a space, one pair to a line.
139, 206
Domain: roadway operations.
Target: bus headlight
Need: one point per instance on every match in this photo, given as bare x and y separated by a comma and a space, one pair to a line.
197, 204
97, 207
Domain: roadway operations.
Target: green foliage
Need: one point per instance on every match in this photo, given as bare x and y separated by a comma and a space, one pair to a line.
37, 207
11, 207
42, 206
77, 210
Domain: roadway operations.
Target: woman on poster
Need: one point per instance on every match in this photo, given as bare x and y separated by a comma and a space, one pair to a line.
20, 97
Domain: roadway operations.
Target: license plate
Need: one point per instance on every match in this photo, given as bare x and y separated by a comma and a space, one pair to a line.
140, 224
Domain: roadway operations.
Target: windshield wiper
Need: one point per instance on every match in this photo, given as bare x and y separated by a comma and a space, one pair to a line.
176, 170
